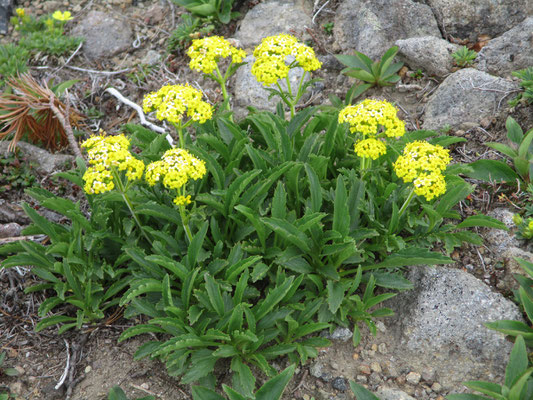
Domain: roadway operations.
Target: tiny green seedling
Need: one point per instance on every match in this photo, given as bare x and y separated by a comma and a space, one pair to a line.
464, 57
328, 28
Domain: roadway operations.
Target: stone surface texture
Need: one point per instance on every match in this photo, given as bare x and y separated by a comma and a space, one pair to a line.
6, 8
273, 17
469, 19
249, 92
465, 98
428, 53
440, 323
104, 35
385, 393
509, 52
46, 162
372, 26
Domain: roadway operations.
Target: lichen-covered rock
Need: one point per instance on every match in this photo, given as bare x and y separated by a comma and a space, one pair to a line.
372, 26
509, 52
469, 19
440, 322
273, 17
465, 98
104, 35
428, 53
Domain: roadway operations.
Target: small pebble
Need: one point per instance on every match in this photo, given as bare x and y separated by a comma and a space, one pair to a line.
413, 378
145, 386
382, 348
355, 356
375, 366
374, 347
375, 378
364, 369
88, 369
339, 384
335, 366
20, 370
436, 387
306, 397
361, 379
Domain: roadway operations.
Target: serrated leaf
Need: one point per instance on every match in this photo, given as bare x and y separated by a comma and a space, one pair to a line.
482, 220
336, 292
202, 393
518, 362
273, 388
492, 171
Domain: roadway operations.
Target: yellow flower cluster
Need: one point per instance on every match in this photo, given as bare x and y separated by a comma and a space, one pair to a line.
172, 102
20, 12
175, 169
62, 16
423, 163
370, 148
105, 152
206, 52
369, 116
269, 65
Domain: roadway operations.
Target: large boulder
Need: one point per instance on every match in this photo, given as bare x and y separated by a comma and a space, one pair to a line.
105, 35
438, 326
465, 98
428, 53
469, 19
6, 7
509, 52
372, 26
249, 92
273, 17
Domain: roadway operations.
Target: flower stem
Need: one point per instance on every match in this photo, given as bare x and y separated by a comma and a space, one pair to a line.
185, 223
291, 101
406, 203
222, 81
122, 191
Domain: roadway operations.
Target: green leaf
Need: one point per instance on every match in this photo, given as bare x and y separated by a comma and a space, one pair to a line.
341, 216
514, 131
410, 256
158, 210
492, 171
196, 245
273, 389
49, 321
518, 362
253, 217
236, 188
243, 379
314, 188
523, 150
116, 393
273, 297
466, 396
482, 220
492, 389
513, 328
139, 330
361, 393
202, 393
516, 389
215, 297
336, 292
46, 226
502, 148
288, 232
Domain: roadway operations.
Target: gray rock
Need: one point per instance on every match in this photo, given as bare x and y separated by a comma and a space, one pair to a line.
46, 162
509, 52
273, 17
469, 19
372, 26
428, 53
6, 8
10, 212
11, 229
440, 322
498, 239
104, 35
385, 393
152, 57
316, 369
249, 92
342, 334
465, 98
339, 384
413, 378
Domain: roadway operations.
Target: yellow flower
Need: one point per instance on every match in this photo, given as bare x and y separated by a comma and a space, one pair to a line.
175, 169
370, 148
182, 200
430, 185
103, 153
421, 156
172, 102
371, 117
20, 12
270, 58
62, 16
206, 52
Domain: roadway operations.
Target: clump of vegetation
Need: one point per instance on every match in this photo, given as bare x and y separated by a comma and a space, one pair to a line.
526, 83
16, 173
464, 57
188, 29
13, 61
328, 28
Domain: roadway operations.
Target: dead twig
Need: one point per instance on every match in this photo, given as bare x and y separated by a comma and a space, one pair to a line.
64, 120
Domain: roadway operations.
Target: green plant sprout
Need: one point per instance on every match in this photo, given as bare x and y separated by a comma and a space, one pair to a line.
382, 72
189, 28
526, 83
328, 28
464, 57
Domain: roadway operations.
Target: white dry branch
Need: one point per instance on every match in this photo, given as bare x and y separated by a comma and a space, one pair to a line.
139, 110
65, 372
